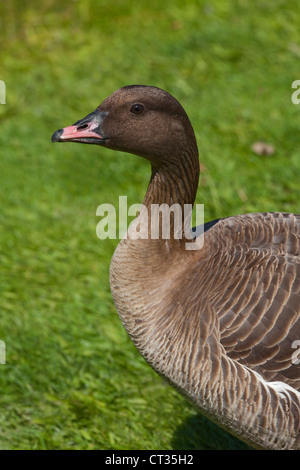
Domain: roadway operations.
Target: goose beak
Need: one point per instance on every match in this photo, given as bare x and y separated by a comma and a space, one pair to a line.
87, 130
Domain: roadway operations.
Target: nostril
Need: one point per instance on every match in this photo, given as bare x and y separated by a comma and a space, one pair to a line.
83, 126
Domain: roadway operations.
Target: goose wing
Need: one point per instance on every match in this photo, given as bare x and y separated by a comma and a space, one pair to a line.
255, 261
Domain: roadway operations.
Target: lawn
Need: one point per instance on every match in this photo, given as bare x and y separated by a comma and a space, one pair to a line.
72, 378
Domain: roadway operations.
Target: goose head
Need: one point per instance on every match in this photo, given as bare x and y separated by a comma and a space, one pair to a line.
142, 120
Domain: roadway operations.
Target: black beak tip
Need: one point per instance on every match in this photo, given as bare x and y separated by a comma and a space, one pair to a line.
57, 136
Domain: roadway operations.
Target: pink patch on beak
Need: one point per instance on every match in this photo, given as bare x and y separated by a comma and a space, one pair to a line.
84, 130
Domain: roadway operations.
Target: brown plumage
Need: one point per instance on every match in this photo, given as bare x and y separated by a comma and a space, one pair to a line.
220, 323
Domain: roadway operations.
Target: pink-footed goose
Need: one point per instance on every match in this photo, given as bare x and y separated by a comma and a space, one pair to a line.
221, 322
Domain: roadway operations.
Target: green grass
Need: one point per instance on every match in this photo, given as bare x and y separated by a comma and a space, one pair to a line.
73, 379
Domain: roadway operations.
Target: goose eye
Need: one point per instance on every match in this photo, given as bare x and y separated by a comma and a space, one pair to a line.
137, 109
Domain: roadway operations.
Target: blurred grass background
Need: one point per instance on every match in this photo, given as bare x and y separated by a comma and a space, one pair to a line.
73, 380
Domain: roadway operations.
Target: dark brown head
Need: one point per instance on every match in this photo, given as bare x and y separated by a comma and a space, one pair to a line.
138, 119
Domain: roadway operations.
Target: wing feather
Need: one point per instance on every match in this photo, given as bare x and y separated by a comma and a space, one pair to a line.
256, 266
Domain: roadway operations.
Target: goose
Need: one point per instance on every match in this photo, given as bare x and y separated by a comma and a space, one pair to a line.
219, 322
